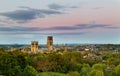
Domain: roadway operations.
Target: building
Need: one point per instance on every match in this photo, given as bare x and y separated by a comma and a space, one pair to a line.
34, 46
64, 48
50, 43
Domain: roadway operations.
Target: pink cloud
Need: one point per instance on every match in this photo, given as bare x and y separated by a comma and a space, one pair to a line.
81, 16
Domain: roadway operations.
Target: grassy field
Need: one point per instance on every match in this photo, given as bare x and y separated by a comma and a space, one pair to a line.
51, 74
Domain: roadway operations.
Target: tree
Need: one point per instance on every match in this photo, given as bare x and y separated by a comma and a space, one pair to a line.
100, 67
17, 71
96, 73
117, 70
75, 73
78, 67
7, 64
73, 56
45, 66
22, 61
85, 69
29, 71
113, 61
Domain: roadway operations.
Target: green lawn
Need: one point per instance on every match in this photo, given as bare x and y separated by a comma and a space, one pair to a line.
51, 74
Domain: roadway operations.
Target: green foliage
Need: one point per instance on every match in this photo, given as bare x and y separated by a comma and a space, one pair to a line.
85, 69
117, 70
51, 74
17, 63
73, 56
113, 61
17, 71
7, 64
75, 73
111, 74
22, 61
96, 73
100, 67
78, 67
29, 71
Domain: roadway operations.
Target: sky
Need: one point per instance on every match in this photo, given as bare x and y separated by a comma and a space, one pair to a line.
68, 21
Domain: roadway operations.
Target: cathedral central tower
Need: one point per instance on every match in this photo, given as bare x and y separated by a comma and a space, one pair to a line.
50, 43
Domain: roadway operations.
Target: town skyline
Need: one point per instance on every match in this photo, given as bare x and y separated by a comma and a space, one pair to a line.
68, 21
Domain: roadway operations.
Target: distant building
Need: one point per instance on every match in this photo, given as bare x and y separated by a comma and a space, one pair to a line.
64, 48
50, 43
34, 46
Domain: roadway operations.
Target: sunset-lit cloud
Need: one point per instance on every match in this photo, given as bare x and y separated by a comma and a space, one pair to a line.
25, 29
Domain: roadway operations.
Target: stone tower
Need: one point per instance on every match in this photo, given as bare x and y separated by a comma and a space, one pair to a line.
50, 43
34, 46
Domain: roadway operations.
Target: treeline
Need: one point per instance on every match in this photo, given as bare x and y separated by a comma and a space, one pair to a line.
17, 63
